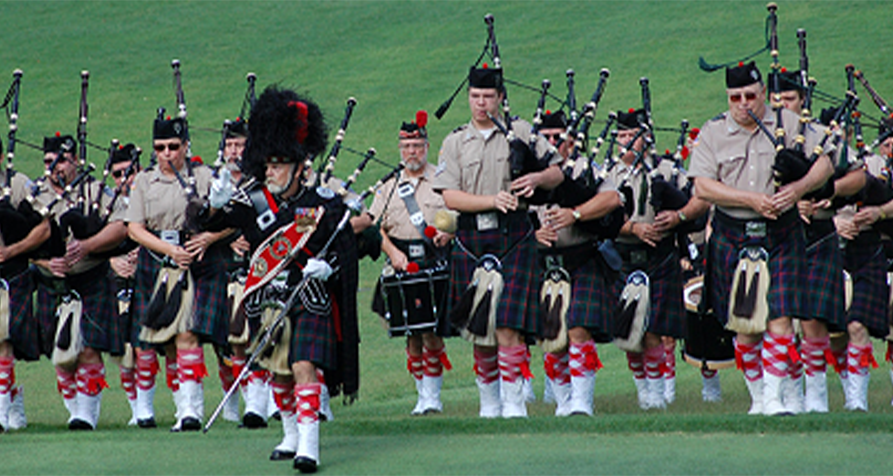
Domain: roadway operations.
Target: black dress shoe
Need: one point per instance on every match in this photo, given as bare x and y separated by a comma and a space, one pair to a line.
253, 420
281, 455
146, 423
305, 464
78, 424
190, 424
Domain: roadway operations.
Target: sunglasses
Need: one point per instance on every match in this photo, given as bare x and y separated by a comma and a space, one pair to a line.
750, 96
173, 147
118, 173
556, 136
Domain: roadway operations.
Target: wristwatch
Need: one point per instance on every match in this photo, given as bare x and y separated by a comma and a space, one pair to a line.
682, 216
576, 215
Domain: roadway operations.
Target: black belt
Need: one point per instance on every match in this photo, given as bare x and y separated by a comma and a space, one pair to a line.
482, 221
818, 229
750, 226
865, 238
568, 257
642, 254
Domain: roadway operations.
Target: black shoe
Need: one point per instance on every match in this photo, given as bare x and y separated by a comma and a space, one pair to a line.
281, 455
146, 423
190, 424
276, 416
253, 420
305, 464
78, 424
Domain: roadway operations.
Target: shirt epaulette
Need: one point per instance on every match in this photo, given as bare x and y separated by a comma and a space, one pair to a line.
720, 117
460, 128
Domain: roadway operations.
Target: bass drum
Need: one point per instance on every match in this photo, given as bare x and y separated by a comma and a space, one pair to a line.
707, 343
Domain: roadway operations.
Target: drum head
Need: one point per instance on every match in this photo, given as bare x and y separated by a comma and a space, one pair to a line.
692, 293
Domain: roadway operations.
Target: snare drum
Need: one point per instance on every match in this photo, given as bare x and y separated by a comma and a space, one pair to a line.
707, 342
412, 303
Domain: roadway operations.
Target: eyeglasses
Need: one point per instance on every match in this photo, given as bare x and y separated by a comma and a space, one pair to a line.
750, 96
173, 147
118, 173
556, 136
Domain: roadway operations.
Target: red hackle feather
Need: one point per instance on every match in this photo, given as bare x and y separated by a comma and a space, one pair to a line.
693, 134
301, 132
421, 118
412, 267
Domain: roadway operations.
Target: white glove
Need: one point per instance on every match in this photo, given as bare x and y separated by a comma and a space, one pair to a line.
317, 268
222, 189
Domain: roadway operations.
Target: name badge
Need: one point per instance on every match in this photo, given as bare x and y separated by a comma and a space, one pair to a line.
170, 236
755, 229
693, 251
487, 221
417, 250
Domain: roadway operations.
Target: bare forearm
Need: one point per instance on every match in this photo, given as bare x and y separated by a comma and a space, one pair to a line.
467, 202
723, 195
107, 238
35, 238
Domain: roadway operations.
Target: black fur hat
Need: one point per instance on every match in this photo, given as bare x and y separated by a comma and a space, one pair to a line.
285, 128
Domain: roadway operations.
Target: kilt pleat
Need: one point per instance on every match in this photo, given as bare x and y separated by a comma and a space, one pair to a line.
314, 339
24, 330
868, 270
824, 278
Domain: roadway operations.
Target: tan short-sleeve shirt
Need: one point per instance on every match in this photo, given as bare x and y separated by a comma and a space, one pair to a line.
395, 219
159, 202
636, 180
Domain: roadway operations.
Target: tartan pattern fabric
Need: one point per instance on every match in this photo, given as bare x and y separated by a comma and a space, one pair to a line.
592, 302
868, 270
24, 331
99, 322
787, 265
749, 359
313, 339
777, 353
144, 282
667, 317
517, 305
824, 279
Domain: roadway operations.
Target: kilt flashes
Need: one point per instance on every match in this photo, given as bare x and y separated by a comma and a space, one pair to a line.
786, 245
24, 331
313, 338
99, 321
592, 296
824, 279
518, 304
868, 270
211, 314
667, 316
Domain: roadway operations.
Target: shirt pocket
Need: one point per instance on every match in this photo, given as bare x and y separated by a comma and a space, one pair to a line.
730, 170
470, 171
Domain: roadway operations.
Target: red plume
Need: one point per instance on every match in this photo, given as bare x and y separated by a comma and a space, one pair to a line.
412, 267
693, 134
666, 151
430, 231
301, 132
685, 152
784, 70
58, 134
421, 118
196, 160
632, 110
548, 112
741, 64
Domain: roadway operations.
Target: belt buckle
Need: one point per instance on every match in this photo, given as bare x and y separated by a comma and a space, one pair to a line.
638, 257
755, 229
487, 221
170, 236
554, 261
416, 250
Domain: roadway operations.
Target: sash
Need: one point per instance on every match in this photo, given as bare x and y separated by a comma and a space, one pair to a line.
406, 191
274, 254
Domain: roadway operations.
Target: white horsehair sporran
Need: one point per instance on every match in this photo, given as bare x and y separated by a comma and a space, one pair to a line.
274, 355
68, 342
183, 320
748, 303
634, 310
488, 282
555, 300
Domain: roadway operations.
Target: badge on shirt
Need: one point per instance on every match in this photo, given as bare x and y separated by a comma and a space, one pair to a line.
440, 168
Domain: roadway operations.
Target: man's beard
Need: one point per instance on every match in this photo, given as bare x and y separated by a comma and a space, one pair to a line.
233, 165
276, 189
413, 166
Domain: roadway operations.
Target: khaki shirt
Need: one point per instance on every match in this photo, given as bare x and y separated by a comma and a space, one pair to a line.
388, 205
635, 180
734, 156
95, 192
159, 201
572, 235
479, 166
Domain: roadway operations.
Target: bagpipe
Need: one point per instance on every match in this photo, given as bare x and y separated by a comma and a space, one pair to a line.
248, 101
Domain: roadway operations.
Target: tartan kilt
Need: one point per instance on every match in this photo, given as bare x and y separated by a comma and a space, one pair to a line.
24, 330
99, 321
786, 245
591, 304
518, 303
314, 338
211, 309
667, 316
824, 278
868, 270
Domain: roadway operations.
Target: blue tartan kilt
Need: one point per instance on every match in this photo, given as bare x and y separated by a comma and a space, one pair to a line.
313, 339
514, 245
868, 270
824, 278
99, 320
211, 306
786, 245
24, 330
667, 316
592, 300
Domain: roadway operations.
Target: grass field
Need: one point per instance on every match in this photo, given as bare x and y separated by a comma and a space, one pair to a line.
396, 57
